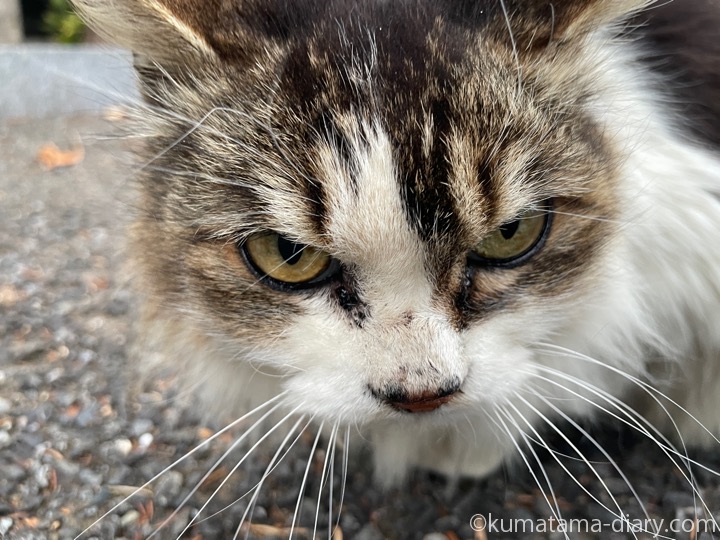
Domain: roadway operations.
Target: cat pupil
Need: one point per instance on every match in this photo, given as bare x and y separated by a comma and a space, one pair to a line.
508, 230
290, 251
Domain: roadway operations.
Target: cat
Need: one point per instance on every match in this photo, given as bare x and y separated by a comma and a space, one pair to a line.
446, 223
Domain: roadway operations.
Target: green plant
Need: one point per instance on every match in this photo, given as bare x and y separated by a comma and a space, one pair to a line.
61, 23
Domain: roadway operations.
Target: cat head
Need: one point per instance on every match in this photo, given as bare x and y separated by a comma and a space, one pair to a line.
388, 204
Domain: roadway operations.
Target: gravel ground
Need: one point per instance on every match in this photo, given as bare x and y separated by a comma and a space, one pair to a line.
76, 437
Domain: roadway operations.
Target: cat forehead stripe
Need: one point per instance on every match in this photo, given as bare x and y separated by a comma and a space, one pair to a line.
366, 217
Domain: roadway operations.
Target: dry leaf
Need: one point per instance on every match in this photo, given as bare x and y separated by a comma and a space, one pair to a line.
118, 490
51, 157
204, 433
261, 530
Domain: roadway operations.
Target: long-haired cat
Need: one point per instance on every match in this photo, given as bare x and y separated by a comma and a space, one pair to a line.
444, 223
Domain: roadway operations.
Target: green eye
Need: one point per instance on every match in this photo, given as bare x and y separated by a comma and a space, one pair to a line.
275, 257
512, 241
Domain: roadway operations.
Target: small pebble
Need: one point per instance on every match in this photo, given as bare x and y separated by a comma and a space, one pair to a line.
434, 536
5, 405
5, 439
370, 532
6, 524
145, 440
129, 518
140, 426
123, 446
168, 486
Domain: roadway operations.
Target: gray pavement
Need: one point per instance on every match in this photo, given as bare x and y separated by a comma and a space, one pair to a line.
46, 80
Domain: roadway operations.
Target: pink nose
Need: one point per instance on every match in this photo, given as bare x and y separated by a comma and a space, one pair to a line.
422, 403
426, 401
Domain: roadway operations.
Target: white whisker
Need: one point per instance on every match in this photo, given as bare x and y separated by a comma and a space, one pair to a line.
553, 506
635, 421
513, 42
235, 468
325, 469
304, 481
183, 458
274, 462
332, 479
346, 455
651, 391
619, 514
602, 450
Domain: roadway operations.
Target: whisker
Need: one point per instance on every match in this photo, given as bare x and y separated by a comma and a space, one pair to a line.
619, 515
346, 456
513, 42
590, 218
196, 125
635, 421
274, 462
553, 506
304, 480
648, 388
234, 469
602, 450
332, 480
331, 441
183, 458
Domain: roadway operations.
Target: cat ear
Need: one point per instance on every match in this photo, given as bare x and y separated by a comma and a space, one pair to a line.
536, 23
572, 18
167, 31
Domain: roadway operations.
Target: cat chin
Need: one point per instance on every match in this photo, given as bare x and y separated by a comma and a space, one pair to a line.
451, 450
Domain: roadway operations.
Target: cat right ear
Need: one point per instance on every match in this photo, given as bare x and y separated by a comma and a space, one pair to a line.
167, 31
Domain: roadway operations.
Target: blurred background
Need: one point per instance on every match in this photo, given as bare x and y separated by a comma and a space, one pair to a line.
51, 64
40, 20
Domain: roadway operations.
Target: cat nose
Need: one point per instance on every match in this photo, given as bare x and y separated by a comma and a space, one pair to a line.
423, 402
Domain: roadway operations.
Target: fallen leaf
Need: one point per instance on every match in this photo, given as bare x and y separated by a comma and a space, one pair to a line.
72, 410
51, 157
118, 490
269, 530
204, 433
214, 478
52, 480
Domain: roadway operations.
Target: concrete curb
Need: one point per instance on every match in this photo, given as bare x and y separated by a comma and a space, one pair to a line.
42, 81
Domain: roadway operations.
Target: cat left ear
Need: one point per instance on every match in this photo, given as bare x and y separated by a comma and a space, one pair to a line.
573, 18
537, 23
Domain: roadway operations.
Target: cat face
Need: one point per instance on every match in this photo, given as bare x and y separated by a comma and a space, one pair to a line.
388, 206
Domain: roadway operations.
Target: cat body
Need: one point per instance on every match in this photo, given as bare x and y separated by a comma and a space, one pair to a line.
513, 218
